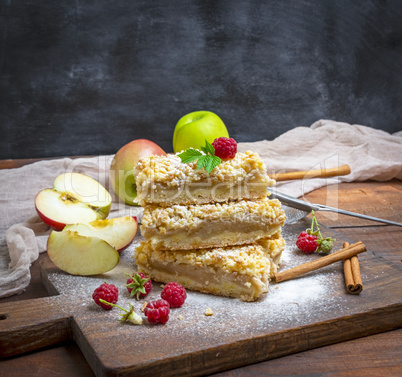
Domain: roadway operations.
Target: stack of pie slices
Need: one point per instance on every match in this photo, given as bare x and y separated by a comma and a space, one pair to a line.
216, 233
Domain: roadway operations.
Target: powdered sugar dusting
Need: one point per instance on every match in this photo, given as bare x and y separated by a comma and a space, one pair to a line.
290, 309
297, 302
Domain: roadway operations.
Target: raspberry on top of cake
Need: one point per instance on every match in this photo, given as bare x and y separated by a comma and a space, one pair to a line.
166, 180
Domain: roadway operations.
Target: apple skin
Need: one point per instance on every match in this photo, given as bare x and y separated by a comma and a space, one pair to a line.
122, 167
52, 223
193, 129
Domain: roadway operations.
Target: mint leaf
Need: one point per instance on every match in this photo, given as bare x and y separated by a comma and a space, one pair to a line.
210, 149
212, 163
207, 161
190, 155
202, 161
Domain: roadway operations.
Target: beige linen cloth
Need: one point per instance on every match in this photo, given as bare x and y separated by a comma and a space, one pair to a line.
371, 154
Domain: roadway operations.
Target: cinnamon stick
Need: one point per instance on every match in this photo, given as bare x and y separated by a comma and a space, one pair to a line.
345, 253
351, 270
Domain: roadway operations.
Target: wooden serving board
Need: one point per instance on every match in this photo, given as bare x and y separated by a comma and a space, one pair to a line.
296, 315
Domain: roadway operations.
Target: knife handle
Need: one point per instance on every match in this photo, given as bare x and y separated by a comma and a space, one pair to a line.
320, 173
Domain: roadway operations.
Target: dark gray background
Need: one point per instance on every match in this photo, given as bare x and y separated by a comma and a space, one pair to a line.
86, 77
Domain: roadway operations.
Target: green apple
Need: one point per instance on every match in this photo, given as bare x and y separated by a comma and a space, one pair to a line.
193, 129
123, 164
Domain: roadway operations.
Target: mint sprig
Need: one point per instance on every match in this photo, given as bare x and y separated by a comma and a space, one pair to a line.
190, 155
207, 161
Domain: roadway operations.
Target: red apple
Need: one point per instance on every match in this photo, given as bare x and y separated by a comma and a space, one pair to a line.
74, 198
118, 232
123, 164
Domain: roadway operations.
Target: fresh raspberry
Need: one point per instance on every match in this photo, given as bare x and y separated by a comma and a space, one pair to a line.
107, 292
174, 294
307, 243
157, 311
225, 147
138, 285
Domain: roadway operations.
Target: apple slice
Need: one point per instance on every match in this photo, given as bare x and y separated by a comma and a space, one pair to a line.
118, 232
81, 255
86, 190
58, 209
74, 198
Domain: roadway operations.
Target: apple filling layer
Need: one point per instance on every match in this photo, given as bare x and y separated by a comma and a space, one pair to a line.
238, 271
211, 225
166, 180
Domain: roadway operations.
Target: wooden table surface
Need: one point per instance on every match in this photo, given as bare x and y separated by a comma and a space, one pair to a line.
376, 355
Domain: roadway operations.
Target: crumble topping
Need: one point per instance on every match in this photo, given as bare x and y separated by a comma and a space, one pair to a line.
170, 171
209, 312
251, 260
179, 216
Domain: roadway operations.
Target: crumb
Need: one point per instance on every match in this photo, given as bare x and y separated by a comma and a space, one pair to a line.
144, 305
276, 287
180, 317
162, 286
209, 312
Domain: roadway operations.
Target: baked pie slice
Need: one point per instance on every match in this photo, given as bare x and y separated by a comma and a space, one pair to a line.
235, 271
166, 180
241, 222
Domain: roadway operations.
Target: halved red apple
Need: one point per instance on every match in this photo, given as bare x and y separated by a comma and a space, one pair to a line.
81, 255
118, 232
74, 198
